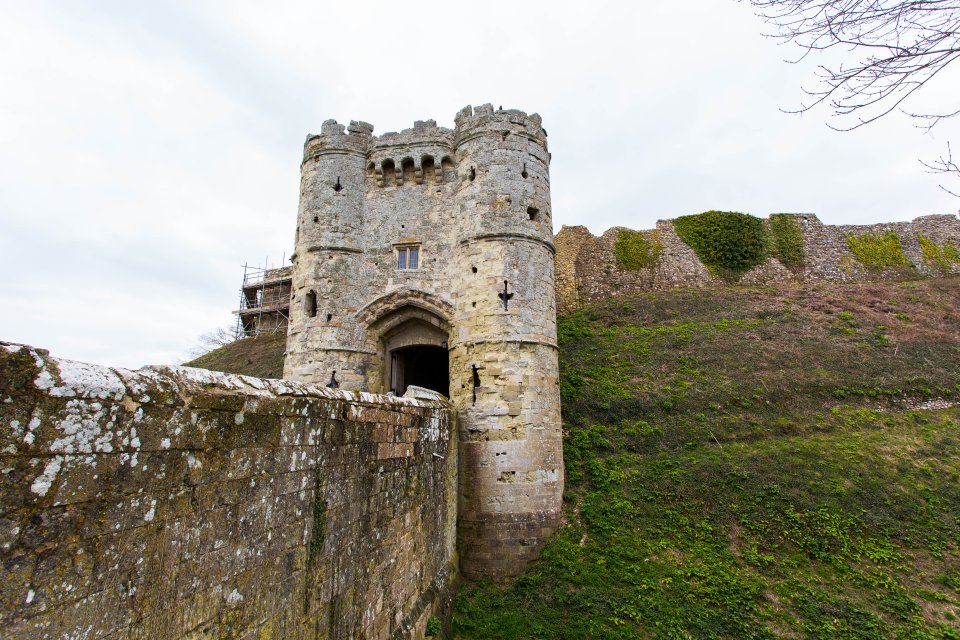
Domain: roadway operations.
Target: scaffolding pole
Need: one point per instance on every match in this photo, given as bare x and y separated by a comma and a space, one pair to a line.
264, 299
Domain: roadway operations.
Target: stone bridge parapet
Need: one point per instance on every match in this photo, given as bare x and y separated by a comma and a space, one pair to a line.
177, 502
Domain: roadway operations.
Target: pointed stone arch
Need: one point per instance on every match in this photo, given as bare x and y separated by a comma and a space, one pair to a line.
411, 330
376, 314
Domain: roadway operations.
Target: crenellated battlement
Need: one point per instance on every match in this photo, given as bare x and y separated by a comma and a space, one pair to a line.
424, 132
470, 122
423, 154
334, 139
485, 120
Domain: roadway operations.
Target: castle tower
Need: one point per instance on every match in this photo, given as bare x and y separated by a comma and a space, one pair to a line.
425, 258
510, 441
328, 284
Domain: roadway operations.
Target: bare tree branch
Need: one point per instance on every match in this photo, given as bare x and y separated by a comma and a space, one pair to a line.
897, 47
211, 340
944, 164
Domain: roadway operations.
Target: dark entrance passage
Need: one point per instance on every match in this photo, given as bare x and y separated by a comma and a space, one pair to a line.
422, 365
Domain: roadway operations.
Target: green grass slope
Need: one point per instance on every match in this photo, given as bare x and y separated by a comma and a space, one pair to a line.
260, 356
752, 463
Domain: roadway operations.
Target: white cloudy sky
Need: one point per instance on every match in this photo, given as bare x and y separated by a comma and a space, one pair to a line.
149, 149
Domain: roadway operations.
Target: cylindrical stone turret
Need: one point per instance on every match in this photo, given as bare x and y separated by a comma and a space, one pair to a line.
503, 361
328, 263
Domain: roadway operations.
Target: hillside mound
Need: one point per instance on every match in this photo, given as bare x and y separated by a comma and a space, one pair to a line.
752, 463
260, 356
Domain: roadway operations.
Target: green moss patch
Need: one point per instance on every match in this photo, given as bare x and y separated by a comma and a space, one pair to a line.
727, 242
878, 251
943, 257
634, 250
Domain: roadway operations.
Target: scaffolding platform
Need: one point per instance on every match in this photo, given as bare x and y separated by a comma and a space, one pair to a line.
264, 300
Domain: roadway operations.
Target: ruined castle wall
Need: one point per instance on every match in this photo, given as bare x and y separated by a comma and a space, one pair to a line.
588, 271
828, 256
569, 245
175, 503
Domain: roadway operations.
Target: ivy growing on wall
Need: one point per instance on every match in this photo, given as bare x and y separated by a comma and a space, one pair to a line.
634, 250
318, 533
786, 240
727, 242
878, 251
943, 258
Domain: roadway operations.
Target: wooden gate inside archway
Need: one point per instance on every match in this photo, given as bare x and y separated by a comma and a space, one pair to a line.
425, 366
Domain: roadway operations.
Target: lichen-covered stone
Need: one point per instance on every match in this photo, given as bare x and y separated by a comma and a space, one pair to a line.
182, 503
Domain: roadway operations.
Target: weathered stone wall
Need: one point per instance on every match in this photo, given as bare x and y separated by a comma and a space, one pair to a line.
569, 244
181, 503
588, 272
511, 482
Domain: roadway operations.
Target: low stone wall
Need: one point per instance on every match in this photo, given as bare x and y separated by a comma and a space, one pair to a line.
588, 272
181, 503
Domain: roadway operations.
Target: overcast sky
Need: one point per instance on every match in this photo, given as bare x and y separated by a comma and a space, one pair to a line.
149, 149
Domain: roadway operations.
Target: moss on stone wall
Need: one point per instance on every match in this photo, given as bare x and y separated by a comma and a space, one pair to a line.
634, 250
727, 242
319, 530
943, 258
878, 251
786, 240
110, 471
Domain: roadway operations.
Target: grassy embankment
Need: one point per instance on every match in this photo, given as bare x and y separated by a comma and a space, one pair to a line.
261, 356
743, 463
752, 463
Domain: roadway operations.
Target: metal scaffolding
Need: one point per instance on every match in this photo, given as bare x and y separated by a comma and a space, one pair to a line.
264, 300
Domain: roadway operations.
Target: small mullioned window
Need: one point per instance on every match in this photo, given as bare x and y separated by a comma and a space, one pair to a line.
408, 258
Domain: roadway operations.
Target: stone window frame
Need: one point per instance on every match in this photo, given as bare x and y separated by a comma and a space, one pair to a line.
408, 253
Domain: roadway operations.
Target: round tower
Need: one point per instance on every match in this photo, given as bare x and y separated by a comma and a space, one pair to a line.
328, 262
504, 377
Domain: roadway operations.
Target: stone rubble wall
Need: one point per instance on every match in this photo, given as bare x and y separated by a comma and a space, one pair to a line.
183, 503
587, 270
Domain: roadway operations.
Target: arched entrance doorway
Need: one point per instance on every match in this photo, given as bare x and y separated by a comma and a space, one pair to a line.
414, 352
421, 365
411, 329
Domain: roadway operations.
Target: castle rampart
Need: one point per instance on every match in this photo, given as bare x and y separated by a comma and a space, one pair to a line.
182, 503
588, 270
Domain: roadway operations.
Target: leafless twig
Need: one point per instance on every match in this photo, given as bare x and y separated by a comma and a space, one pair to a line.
944, 164
897, 47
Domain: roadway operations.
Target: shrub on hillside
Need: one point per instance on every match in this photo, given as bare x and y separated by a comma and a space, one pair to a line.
727, 242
